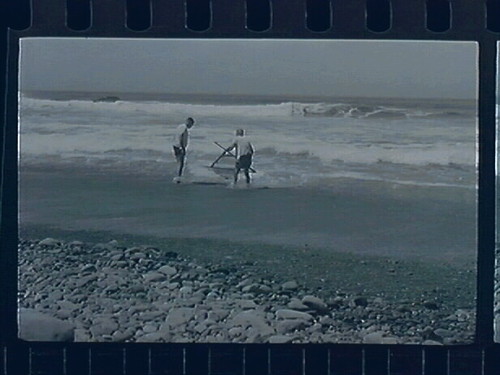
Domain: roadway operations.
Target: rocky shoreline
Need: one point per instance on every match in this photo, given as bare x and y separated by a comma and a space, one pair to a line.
107, 292
496, 297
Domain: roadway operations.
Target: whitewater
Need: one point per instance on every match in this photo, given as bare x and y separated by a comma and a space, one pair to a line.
298, 143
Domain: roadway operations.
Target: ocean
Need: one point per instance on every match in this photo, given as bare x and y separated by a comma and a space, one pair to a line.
390, 177
299, 142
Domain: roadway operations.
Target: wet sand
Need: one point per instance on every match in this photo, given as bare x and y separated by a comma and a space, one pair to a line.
428, 224
412, 246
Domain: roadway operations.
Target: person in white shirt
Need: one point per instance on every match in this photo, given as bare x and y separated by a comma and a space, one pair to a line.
244, 154
181, 142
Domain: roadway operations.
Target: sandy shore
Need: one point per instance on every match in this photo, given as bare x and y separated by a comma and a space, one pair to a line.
170, 293
361, 217
153, 261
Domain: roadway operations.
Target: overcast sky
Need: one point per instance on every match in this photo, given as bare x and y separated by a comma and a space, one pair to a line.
252, 67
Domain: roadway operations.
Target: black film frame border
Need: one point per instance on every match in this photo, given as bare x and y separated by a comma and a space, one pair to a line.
408, 19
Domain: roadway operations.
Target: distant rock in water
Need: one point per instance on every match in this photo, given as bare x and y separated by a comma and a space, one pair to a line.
107, 99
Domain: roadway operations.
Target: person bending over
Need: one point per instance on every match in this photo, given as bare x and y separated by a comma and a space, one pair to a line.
244, 154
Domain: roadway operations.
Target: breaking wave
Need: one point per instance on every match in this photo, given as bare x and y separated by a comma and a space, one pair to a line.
336, 110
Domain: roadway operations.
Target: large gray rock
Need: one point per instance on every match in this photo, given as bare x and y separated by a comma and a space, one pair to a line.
280, 339
138, 256
82, 335
64, 314
296, 304
291, 325
391, 340
154, 277
49, 242
179, 316
88, 268
186, 290
379, 337
444, 332
76, 243
247, 304
315, 303
84, 280
374, 338
290, 285
150, 328
497, 328
68, 305
236, 331
256, 288
244, 283
154, 337
103, 326
431, 342
167, 270
119, 336
292, 314
36, 326
111, 245
253, 319
218, 314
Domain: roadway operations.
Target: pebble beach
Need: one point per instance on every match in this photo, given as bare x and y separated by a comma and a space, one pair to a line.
497, 295
111, 292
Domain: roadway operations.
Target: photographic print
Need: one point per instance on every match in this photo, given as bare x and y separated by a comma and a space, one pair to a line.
247, 191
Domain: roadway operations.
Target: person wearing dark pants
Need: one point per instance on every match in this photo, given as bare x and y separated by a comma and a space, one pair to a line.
244, 154
181, 142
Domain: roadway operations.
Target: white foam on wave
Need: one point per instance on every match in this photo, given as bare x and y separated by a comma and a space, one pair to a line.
108, 142
124, 133
341, 110
440, 153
